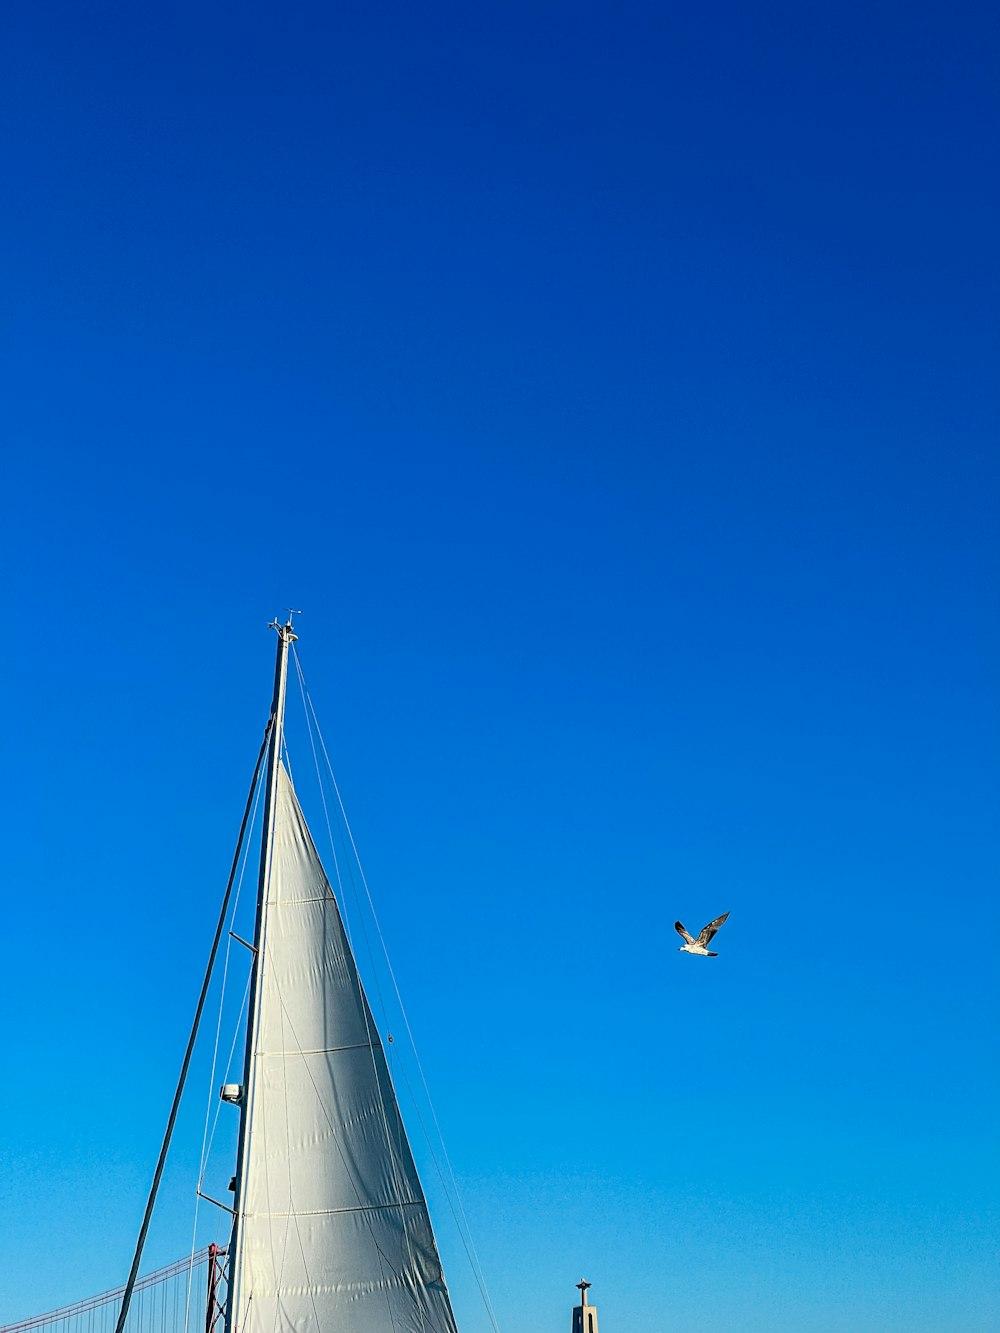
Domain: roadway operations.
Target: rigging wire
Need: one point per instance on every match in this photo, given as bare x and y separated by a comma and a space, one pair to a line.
238, 1027
206, 1139
322, 794
140, 1243
463, 1226
347, 861
394, 1147
464, 1229
394, 1150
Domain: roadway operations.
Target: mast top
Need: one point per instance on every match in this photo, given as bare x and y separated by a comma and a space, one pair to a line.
285, 631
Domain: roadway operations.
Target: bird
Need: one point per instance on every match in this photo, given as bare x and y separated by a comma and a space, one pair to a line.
700, 945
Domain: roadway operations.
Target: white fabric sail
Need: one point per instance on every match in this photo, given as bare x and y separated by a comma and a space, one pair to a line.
333, 1233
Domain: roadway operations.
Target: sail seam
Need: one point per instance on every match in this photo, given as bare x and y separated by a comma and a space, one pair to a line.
296, 902
334, 1212
323, 1050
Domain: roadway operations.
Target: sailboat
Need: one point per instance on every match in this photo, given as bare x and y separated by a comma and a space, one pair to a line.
330, 1227
330, 1224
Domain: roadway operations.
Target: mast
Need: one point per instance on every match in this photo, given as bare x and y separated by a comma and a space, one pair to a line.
330, 1223
286, 636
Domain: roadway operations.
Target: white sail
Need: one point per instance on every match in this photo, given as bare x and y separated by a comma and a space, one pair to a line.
333, 1232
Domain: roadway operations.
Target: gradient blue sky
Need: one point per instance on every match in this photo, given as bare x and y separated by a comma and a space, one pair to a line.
614, 388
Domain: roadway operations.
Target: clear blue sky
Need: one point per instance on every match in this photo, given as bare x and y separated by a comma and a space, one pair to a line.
614, 387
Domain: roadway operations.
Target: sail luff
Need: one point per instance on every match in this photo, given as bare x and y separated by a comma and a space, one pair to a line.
334, 1225
286, 636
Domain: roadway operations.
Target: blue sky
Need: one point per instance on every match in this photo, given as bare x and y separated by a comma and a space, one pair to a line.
614, 388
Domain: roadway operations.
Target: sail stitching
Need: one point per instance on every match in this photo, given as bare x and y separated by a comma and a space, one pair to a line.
291, 1025
347, 1169
421, 1286
291, 1220
344, 1162
296, 902
393, 1157
313, 1286
362, 1208
321, 1050
334, 1212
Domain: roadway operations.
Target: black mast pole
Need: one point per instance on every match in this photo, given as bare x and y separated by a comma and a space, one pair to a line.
286, 636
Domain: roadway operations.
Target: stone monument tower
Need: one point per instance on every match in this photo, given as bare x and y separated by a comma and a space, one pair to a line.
584, 1315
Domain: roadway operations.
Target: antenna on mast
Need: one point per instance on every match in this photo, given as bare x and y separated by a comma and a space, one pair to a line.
285, 631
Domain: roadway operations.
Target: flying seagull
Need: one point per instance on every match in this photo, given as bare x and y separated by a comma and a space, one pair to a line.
700, 945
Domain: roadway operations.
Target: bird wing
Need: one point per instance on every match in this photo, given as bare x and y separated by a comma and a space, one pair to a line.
706, 935
681, 931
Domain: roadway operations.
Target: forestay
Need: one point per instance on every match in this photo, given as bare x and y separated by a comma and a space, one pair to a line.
334, 1232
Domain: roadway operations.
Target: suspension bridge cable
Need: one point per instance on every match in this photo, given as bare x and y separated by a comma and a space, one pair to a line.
97, 1304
